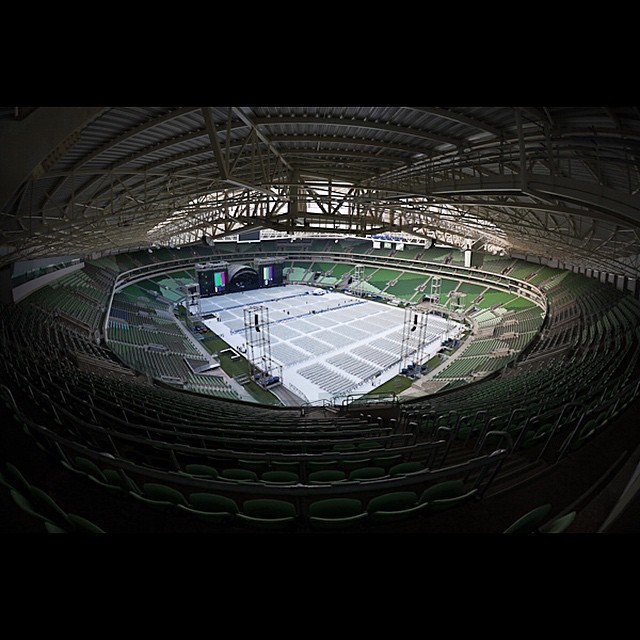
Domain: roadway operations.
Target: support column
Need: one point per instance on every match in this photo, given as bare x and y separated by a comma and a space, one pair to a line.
294, 194
523, 153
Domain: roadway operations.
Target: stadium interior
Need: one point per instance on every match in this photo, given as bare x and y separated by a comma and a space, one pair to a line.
317, 320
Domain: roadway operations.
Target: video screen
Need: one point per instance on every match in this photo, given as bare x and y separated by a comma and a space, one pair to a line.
212, 282
219, 281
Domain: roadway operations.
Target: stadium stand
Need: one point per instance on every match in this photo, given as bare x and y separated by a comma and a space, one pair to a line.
140, 445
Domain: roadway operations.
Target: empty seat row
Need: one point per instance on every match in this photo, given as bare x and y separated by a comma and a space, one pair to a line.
325, 514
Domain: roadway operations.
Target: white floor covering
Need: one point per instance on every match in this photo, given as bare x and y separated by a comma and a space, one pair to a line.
327, 345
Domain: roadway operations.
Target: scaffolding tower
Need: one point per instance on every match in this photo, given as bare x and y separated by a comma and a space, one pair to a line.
358, 280
415, 337
192, 303
415, 334
436, 282
455, 307
258, 344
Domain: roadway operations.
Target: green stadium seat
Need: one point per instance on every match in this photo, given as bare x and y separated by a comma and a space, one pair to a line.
405, 468
54, 528
442, 491
336, 513
80, 524
442, 504
386, 462
284, 465
90, 468
268, 514
211, 507
46, 505
528, 523
118, 479
446, 495
257, 466
326, 476
345, 446
202, 470
280, 477
367, 446
321, 465
394, 507
367, 473
558, 525
349, 465
160, 496
25, 505
239, 475
4, 482
16, 479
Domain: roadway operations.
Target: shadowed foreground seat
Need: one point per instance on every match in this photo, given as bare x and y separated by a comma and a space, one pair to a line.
528, 523
336, 513
107, 478
159, 495
79, 524
26, 505
211, 507
240, 475
446, 495
367, 473
280, 477
327, 476
203, 470
405, 468
268, 513
558, 525
394, 506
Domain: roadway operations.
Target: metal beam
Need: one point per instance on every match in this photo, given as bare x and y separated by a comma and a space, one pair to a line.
454, 116
215, 143
523, 151
127, 135
240, 112
355, 142
534, 113
599, 201
370, 125
28, 143
220, 160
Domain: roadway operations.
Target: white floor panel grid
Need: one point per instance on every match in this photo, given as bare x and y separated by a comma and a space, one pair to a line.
286, 354
311, 345
335, 339
348, 346
351, 332
284, 332
354, 366
323, 321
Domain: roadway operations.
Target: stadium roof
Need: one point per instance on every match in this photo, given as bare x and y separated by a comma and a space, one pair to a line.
555, 182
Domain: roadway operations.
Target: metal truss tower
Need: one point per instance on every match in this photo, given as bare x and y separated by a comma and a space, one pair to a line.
258, 342
415, 336
358, 280
436, 282
455, 307
192, 303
